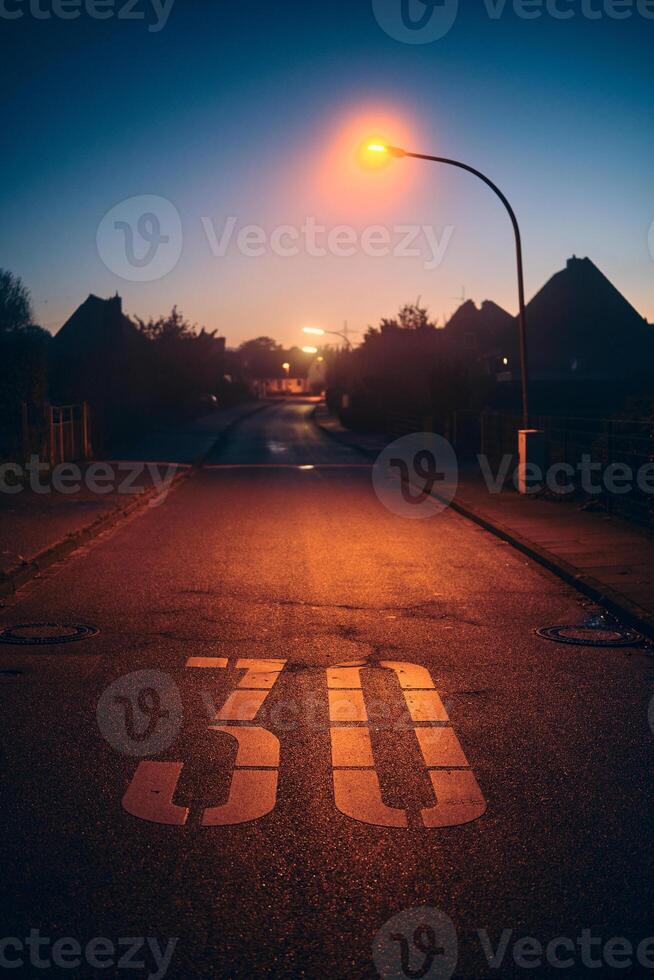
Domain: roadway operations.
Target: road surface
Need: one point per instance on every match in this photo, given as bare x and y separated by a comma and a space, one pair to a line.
279, 550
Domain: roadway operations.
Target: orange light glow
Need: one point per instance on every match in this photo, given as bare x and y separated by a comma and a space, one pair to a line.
350, 174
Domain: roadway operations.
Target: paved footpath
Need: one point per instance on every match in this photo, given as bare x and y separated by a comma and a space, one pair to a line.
610, 559
33, 524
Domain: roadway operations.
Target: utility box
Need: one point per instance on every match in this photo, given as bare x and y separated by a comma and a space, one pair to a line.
531, 460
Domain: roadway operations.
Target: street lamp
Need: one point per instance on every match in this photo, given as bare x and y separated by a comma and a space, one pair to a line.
319, 332
309, 350
286, 368
395, 151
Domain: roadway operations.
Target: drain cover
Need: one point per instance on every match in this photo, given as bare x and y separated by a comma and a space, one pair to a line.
44, 634
592, 634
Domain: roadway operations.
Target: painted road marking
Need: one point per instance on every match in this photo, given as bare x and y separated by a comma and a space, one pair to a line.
351, 747
209, 662
149, 796
260, 673
347, 706
357, 792
459, 798
425, 706
252, 792
253, 787
242, 706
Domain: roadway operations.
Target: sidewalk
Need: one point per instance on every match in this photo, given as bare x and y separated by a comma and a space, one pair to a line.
37, 529
608, 559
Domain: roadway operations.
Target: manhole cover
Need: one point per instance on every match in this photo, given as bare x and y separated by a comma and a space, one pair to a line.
44, 634
589, 635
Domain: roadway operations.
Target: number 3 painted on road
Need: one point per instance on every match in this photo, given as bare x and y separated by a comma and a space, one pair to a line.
253, 789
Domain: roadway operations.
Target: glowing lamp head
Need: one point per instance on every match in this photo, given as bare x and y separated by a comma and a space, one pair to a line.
314, 331
310, 350
384, 148
372, 154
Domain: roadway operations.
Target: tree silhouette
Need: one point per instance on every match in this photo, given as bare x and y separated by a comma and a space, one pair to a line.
15, 305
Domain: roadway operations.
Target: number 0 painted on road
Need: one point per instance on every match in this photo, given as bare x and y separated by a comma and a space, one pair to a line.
356, 784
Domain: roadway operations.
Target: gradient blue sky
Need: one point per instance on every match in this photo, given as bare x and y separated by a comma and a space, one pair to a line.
253, 110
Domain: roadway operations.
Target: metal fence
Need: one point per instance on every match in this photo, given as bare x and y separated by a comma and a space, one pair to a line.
55, 433
402, 424
616, 446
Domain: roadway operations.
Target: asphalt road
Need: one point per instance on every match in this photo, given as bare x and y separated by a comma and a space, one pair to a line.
280, 550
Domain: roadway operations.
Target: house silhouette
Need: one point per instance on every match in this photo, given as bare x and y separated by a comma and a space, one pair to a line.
588, 349
97, 357
580, 326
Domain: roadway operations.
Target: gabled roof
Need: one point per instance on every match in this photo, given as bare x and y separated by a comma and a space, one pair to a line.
96, 324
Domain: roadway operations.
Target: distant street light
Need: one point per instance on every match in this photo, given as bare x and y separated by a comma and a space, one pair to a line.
309, 350
286, 367
319, 332
395, 151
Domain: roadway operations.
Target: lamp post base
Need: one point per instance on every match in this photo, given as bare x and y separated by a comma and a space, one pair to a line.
531, 460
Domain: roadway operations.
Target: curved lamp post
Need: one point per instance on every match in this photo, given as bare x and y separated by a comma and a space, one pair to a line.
319, 332
395, 151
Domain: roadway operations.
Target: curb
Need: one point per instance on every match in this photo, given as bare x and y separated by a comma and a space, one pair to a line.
620, 605
19, 575
222, 437
337, 437
617, 603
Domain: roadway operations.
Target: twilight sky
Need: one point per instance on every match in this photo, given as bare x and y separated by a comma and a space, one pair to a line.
252, 114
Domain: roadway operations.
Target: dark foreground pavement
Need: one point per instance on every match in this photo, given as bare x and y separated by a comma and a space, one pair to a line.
280, 550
